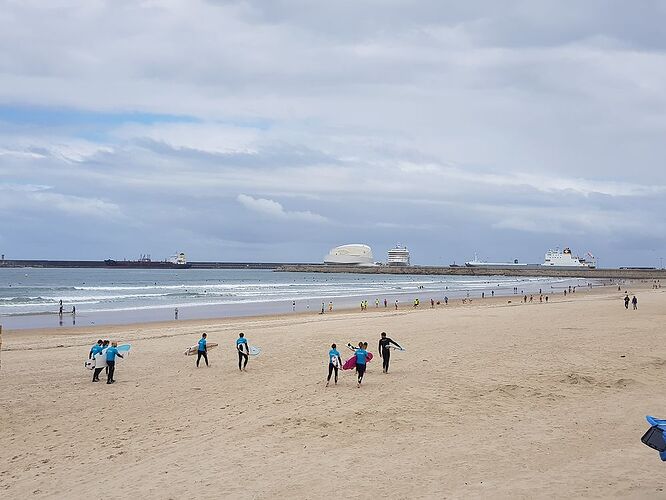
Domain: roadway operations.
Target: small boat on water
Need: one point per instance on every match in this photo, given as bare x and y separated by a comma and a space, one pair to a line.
178, 261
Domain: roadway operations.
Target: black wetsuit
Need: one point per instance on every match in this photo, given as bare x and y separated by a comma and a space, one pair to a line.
242, 356
385, 352
334, 365
202, 354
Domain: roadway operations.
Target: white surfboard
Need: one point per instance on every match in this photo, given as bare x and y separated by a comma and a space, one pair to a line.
100, 359
193, 349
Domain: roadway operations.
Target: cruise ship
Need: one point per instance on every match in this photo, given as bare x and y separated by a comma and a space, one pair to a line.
555, 258
398, 256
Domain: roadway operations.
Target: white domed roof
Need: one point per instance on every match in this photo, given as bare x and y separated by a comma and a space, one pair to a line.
352, 254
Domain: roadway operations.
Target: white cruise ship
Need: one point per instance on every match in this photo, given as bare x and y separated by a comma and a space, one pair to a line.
555, 258
398, 256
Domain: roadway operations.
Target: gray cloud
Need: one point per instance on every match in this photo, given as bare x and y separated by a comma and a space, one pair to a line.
450, 127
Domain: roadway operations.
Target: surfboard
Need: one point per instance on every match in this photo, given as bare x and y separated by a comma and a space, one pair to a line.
124, 351
351, 362
193, 349
254, 350
90, 364
100, 359
396, 348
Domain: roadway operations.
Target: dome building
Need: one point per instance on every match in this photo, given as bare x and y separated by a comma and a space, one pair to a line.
350, 255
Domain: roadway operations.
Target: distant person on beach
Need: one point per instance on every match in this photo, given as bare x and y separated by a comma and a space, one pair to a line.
73, 310
492, 293
634, 302
202, 350
111, 354
243, 351
334, 363
385, 350
376, 303
446, 301
396, 304
546, 299
293, 305
385, 303
626, 301
432, 303
60, 310
330, 307
322, 308
175, 313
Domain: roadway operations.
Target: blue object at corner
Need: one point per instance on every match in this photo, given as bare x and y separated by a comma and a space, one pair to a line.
661, 423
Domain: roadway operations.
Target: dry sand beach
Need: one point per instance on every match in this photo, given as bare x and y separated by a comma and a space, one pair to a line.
489, 400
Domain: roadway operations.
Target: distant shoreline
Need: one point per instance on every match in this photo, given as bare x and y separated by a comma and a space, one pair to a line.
532, 271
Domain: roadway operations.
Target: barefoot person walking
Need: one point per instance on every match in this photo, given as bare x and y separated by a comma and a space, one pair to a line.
243, 352
111, 354
385, 350
334, 364
202, 351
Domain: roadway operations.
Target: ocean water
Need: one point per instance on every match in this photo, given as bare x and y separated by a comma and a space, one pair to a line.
29, 298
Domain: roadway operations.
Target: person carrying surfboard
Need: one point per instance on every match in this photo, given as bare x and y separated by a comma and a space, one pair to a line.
202, 351
361, 360
111, 354
96, 348
334, 363
385, 350
243, 351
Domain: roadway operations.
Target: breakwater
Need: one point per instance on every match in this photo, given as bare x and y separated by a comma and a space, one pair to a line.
626, 273
93, 264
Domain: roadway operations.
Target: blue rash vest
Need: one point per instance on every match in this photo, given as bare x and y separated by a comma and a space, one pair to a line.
111, 354
202, 344
361, 355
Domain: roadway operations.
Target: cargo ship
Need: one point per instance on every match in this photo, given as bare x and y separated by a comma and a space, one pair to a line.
145, 262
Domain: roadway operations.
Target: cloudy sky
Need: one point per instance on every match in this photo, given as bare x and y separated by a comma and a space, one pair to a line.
273, 131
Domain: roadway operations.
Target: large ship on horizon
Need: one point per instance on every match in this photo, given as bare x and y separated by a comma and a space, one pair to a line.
398, 256
178, 261
498, 265
555, 258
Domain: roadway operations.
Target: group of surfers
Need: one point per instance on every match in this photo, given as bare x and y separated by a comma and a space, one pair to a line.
241, 346
361, 354
362, 357
102, 348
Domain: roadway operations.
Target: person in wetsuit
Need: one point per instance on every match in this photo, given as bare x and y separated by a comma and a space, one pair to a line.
334, 363
243, 351
361, 360
385, 350
202, 350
